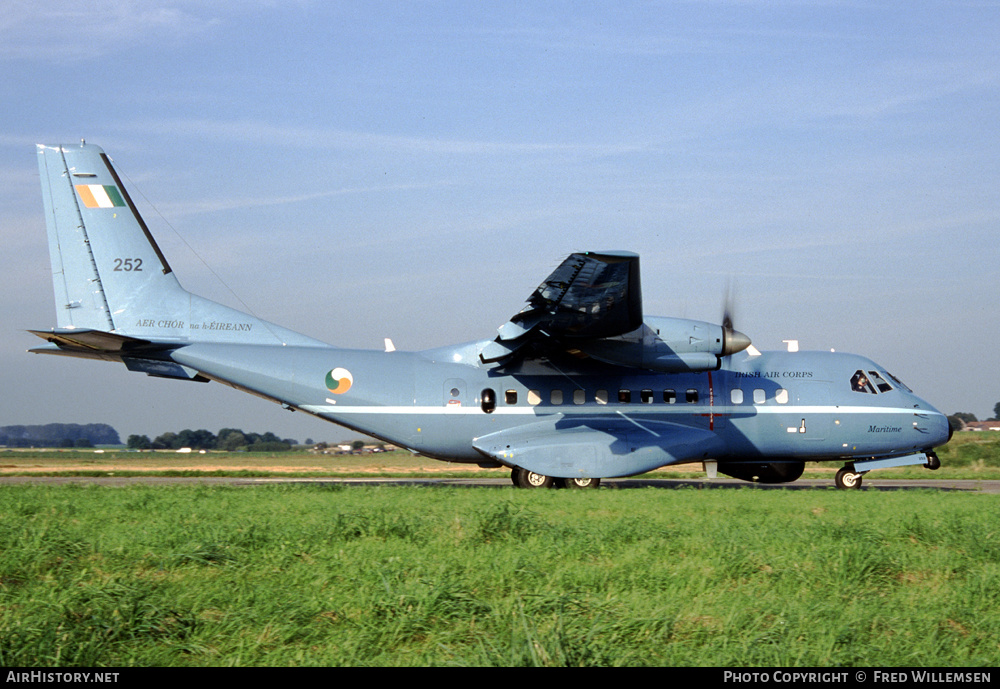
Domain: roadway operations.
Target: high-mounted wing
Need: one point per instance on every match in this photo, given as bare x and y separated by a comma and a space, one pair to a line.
591, 306
590, 295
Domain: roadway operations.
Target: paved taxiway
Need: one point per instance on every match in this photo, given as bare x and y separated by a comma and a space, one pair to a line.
969, 486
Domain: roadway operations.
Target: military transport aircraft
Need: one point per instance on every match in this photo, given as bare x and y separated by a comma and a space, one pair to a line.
577, 386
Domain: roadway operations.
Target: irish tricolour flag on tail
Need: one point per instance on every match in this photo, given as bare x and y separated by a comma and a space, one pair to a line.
100, 195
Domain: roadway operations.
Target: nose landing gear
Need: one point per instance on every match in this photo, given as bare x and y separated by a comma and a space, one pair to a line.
933, 463
850, 475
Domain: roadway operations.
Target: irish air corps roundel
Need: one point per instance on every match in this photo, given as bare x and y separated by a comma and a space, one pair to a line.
339, 381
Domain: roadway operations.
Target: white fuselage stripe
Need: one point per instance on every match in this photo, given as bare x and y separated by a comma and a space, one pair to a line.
590, 410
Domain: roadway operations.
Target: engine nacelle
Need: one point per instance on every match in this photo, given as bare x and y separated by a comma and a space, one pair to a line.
756, 472
669, 345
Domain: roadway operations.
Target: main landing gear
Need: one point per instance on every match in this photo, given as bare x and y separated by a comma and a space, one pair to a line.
522, 478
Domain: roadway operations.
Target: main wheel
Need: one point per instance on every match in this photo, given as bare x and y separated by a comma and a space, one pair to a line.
580, 482
846, 479
933, 463
529, 479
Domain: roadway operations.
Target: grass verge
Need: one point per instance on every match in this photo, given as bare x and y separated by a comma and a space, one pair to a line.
391, 575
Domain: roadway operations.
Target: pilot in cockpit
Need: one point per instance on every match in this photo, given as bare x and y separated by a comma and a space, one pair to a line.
859, 383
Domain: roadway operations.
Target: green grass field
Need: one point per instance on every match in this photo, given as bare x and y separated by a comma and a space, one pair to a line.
393, 575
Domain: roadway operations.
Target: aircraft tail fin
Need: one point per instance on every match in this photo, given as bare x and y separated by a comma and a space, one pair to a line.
108, 273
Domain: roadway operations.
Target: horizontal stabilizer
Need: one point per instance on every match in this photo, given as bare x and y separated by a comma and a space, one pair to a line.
137, 354
162, 369
87, 341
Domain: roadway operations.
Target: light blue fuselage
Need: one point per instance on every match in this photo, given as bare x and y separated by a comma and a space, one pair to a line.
773, 406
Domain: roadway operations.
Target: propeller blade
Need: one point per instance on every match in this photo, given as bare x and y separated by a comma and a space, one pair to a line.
727, 306
732, 340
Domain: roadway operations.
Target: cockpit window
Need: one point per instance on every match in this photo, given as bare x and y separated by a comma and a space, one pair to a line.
879, 381
898, 382
869, 382
860, 383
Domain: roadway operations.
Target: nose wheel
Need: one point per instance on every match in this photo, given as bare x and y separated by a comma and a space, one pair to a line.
933, 463
847, 478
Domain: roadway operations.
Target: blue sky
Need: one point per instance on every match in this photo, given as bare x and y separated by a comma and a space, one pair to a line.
361, 170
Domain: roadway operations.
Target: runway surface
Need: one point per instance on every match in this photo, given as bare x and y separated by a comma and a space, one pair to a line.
970, 486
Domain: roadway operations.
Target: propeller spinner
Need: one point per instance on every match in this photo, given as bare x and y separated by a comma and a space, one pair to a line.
733, 341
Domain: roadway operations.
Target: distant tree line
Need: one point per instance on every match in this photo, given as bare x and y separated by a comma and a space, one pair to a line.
228, 439
959, 419
59, 435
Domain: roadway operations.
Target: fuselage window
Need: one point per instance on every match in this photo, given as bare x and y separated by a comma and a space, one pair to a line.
781, 396
759, 396
579, 396
534, 398
860, 383
691, 396
556, 397
489, 401
736, 396
646, 396
669, 396
601, 396
624, 396
510, 397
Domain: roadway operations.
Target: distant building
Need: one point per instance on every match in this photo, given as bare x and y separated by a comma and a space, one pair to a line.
993, 425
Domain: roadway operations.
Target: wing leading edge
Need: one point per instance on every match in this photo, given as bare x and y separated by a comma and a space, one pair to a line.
591, 295
591, 307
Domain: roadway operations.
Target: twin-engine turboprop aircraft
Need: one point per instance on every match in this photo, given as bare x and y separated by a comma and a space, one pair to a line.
576, 387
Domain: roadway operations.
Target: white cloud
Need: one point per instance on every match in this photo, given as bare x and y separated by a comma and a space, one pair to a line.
60, 30
327, 138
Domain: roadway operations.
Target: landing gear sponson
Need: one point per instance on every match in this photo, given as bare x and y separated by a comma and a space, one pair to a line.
849, 476
522, 478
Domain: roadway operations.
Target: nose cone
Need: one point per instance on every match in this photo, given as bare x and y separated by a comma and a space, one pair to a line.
944, 431
734, 341
938, 429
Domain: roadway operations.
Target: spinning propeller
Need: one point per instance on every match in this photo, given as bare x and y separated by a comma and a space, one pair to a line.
733, 341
